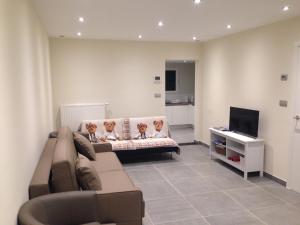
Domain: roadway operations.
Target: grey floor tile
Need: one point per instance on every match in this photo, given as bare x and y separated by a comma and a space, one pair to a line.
138, 167
279, 215
228, 181
241, 218
146, 221
168, 163
144, 175
187, 222
254, 197
157, 190
283, 193
210, 169
213, 203
297, 205
182, 134
195, 156
170, 210
193, 185
177, 171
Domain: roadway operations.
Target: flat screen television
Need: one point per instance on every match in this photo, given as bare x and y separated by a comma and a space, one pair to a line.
244, 121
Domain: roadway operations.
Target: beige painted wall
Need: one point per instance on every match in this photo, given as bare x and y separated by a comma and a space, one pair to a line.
25, 96
244, 70
118, 72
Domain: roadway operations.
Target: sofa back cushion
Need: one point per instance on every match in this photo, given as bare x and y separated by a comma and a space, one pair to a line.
150, 131
119, 127
64, 161
87, 175
84, 146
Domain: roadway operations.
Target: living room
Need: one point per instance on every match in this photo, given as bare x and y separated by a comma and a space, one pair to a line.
246, 57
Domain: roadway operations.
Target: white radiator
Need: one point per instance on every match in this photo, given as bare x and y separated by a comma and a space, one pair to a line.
73, 115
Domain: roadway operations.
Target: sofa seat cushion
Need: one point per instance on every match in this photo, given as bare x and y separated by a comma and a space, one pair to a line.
106, 161
116, 181
122, 145
154, 143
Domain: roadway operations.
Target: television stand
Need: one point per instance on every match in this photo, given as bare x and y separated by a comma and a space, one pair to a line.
247, 152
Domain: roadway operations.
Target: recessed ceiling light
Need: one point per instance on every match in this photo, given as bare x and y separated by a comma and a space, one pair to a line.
81, 19
160, 23
197, 1
229, 26
79, 34
140, 36
286, 8
194, 38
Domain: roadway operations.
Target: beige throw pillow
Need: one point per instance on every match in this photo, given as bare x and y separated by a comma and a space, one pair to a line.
86, 174
84, 146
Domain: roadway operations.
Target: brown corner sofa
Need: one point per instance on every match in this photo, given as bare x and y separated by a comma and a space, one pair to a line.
118, 202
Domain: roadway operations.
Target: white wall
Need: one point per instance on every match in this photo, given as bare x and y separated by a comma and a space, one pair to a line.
118, 72
244, 70
25, 96
185, 73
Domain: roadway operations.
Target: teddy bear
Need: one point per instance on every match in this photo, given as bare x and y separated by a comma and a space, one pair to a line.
142, 127
110, 134
158, 132
92, 128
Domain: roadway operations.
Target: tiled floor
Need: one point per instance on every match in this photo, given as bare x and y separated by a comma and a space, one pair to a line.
191, 189
182, 134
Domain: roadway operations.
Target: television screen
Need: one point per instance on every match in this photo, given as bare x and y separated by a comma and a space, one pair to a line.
244, 121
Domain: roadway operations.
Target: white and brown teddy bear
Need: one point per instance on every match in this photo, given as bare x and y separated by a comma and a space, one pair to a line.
109, 133
158, 132
142, 127
92, 128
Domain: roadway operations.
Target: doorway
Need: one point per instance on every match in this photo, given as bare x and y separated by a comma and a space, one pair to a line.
180, 99
294, 181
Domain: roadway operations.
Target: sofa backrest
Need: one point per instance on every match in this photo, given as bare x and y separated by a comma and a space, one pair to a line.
40, 184
64, 161
127, 128
150, 126
121, 127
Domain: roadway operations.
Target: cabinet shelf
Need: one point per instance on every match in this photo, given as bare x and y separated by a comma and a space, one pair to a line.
238, 165
235, 149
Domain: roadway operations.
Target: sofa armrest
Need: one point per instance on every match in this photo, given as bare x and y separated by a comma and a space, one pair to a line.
102, 147
120, 207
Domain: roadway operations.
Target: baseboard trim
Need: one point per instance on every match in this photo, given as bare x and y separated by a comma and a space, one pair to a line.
276, 179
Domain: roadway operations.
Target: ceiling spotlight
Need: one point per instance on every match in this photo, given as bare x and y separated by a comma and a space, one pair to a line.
160, 23
194, 38
286, 8
81, 19
228, 26
140, 36
79, 34
197, 1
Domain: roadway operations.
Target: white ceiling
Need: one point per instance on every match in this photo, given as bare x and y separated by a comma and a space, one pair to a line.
126, 19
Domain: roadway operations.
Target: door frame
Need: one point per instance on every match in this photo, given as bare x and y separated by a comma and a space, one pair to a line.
296, 72
197, 94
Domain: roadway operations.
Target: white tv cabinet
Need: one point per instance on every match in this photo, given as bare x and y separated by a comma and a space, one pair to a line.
250, 150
